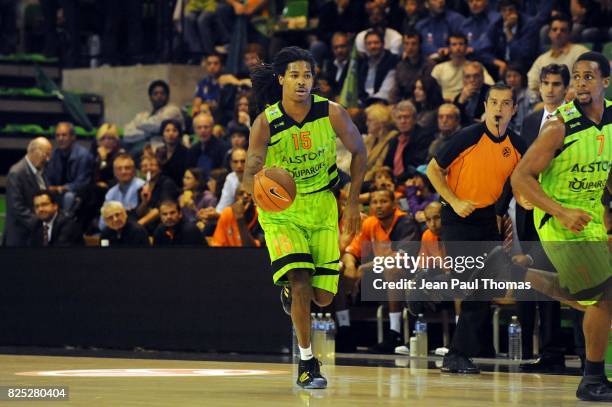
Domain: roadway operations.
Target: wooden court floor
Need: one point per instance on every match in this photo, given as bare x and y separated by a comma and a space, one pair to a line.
137, 382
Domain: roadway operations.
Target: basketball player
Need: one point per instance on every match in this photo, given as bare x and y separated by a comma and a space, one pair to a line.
297, 131
571, 158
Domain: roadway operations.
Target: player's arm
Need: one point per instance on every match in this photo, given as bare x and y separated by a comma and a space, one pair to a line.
258, 149
436, 175
525, 177
609, 183
352, 140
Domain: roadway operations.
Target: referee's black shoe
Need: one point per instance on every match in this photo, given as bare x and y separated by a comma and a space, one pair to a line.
309, 375
545, 364
285, 298
594, 388
457, 363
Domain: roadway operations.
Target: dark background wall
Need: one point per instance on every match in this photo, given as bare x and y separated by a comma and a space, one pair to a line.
200, 299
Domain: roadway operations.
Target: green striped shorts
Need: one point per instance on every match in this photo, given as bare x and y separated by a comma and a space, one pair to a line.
305, 236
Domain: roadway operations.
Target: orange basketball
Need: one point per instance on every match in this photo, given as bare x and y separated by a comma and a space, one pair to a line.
273, 189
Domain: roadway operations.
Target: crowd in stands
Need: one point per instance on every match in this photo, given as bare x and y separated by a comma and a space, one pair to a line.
422, 69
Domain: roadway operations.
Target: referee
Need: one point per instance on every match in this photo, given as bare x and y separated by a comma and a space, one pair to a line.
469, 173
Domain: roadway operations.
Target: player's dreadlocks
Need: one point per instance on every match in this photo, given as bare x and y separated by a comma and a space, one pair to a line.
266, 89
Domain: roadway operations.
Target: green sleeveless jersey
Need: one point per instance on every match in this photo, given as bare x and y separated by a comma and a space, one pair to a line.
307, 150
579, 171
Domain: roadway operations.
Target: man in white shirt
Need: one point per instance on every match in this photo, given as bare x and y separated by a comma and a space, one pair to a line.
449, 74
376, 73
392, 39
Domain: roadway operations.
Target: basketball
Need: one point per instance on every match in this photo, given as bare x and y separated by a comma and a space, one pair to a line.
273, 189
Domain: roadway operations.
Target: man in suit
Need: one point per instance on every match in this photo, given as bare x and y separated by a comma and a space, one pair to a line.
53, 229
376, 72
472, 98
25, 179
174, 230
335, 69
554, 80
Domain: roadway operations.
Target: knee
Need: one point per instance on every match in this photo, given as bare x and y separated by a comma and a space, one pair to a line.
322, 298
300, 285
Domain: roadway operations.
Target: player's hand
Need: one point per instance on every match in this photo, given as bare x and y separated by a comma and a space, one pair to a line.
463, 208
574, 219
351, 219
525, 204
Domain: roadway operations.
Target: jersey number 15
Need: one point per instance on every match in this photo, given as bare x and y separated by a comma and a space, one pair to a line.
303, 139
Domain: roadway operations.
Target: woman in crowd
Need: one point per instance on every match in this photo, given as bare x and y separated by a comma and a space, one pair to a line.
379, 124
195, 194
172, 155
427, 97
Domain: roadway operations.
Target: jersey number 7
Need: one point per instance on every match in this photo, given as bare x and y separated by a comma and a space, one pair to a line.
601, 140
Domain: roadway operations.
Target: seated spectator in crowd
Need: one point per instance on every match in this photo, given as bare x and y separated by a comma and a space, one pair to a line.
239, 139
256, 15
376, 72
347, 16
238, 225
232, 181
324, 87
562, 50
515, 78
382, 179
25, 179
380, 133
119, 230
449, 119
157, 188
145, 125
514, 38
591, 21
195, 195
127, 187
387, 224
377, 21
174, 230
254, 54
392, 10
476, 25
419, 193
426, 97
242, 112
409, 149
450, 74
53, 228
336, 68
413, 12
173, 154
430, 241
70, 170
413, 65
208, 152
208, 90
435, 29
204, 26
473, 95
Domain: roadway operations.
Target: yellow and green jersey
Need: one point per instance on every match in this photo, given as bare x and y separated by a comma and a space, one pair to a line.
307, 150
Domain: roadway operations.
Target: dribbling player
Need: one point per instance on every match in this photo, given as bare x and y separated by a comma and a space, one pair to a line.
297, 131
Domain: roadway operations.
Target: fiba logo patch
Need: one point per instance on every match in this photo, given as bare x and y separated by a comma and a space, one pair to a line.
506, 152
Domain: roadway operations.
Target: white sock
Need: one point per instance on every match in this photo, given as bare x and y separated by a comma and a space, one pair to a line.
305, 353
344, 319
395, 319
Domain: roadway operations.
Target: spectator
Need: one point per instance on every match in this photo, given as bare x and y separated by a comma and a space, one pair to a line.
233, 180
324, 87
208, 90
412, 65
562, 50
126, 189
515, 78
379, 124
174, 230
450, 74
419, 193
242, 113
119, 230
25, 179
376, 72
53, 229
173, 154
387, 225
377, 21
409, 149
195, 195
146, 125
238, 225
336, 69
477, 24
204, 26
157, 188
239, 139
208, 152
430, 241
591, 21
70, 169
346, 16
473, 95
436, 28
449, 119
413, 12
514, 38
426, 97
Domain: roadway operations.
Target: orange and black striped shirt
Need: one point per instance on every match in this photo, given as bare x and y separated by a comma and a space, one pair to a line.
478, 163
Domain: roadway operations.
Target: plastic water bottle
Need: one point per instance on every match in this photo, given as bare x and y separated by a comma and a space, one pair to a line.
93, 44
420, 329
515, 345
330, 339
